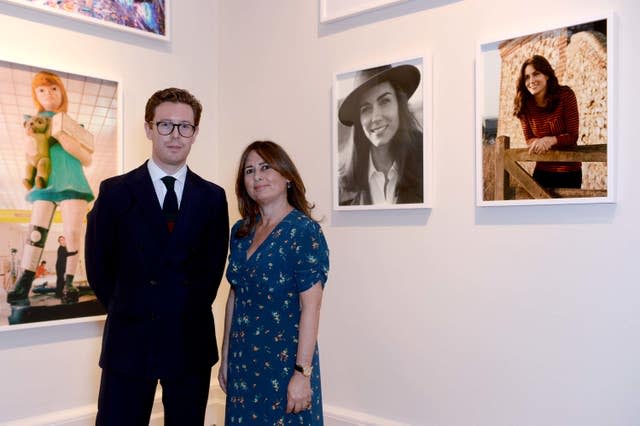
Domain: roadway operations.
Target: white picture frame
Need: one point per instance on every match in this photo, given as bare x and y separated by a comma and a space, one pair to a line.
503, 175
94, 102
334, 10
134, 20
420, 105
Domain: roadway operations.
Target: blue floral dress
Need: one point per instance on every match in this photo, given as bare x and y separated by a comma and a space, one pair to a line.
263, 340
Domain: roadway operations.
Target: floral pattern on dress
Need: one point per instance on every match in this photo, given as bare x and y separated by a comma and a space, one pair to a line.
263, 340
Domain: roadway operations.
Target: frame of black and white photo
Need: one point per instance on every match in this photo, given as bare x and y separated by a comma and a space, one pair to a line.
420, 104
334, 10
148, 18
96, 104
581, 52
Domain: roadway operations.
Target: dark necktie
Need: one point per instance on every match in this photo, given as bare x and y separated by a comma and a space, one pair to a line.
170, 204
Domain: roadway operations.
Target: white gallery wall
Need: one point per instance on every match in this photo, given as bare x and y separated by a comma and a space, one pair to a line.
457, 315
452, 316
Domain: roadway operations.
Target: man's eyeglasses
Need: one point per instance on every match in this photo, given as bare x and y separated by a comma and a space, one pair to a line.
165, 128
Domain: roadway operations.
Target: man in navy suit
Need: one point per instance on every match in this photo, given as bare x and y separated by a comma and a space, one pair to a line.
155, 255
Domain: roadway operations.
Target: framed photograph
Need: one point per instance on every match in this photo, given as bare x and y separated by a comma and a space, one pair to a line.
59, 138
334, 10
382, 136
149, 18
543, 114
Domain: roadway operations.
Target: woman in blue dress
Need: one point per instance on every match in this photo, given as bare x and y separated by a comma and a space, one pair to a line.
278, 265
66, 188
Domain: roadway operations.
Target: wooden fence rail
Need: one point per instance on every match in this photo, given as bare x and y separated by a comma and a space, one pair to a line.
507, 168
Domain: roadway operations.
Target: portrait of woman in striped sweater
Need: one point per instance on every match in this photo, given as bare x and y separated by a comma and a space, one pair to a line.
548, 113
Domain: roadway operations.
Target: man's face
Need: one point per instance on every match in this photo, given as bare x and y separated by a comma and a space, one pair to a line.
170, 152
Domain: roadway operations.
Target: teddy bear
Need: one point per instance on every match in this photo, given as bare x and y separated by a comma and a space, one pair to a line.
37, 152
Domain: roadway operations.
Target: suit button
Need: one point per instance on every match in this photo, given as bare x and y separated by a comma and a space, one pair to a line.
154, 316
153, 283
185, 282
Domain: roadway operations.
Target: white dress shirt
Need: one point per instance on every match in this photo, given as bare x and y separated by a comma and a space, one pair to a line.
156, 178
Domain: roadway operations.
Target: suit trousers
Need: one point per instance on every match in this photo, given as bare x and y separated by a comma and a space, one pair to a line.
127, 400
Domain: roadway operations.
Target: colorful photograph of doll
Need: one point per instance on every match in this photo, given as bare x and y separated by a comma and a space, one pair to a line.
66, 187
45, 199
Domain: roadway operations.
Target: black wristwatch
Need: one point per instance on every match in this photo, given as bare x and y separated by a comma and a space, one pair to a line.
306, 371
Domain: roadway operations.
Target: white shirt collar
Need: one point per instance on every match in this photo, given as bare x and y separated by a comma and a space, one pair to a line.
157, 173
382, 188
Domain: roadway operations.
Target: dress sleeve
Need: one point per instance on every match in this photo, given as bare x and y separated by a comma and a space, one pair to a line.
311, 257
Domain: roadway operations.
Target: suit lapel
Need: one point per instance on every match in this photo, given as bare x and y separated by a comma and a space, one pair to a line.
151, 211
188, 203
144, 192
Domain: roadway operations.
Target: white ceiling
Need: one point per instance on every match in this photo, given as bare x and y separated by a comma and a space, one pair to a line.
92, 102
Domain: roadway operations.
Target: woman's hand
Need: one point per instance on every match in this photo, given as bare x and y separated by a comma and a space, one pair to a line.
298, 393
542, 145
222, 375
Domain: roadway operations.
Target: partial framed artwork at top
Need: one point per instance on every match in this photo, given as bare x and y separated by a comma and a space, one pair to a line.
544, 108
334, 10
147, 18
51, 166
382, 136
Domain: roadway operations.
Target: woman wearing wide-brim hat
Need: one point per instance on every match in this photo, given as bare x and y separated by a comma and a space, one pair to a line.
385, 165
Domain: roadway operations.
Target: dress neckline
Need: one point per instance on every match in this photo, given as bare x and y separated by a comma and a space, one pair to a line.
253, 232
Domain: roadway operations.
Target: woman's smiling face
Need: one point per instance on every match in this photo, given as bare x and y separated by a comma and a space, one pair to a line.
379, 114
535, 81
263, 183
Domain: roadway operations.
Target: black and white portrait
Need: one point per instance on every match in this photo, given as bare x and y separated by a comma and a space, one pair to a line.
379, 137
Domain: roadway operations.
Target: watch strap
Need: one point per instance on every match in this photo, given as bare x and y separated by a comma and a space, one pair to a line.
306, 371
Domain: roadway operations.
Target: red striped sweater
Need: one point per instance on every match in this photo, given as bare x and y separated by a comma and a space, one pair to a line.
563, 122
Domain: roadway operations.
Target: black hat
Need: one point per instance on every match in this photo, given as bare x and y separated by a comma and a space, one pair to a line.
406, 76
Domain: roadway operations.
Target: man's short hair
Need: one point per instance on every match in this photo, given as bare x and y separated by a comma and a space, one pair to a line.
175, 95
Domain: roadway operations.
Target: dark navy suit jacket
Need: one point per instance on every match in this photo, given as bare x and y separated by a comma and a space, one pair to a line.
157, 287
